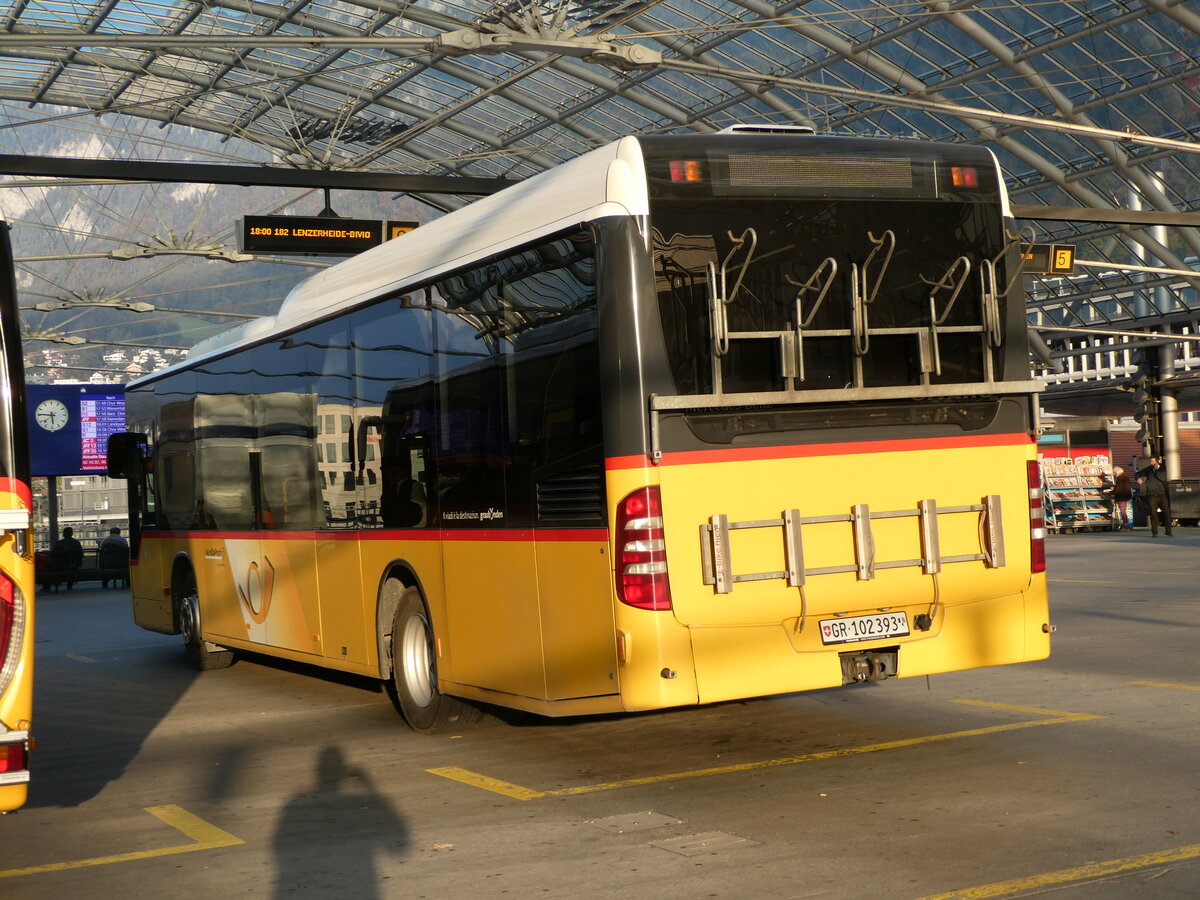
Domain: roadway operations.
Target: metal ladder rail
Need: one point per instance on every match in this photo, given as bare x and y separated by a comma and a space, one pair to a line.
717, 563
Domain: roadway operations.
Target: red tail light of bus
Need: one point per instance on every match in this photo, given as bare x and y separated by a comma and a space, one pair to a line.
13, 758
642, 551
964, 176
686, 170
8, 615
1037, 518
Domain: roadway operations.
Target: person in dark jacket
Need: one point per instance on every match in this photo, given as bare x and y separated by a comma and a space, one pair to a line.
113, 556
1152, 486
1122, 493
67, 555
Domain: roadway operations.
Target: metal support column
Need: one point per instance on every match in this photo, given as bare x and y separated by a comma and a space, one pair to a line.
53, 486
1168, 406
1168, 412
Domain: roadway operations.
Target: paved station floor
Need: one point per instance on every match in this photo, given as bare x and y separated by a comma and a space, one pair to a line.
1075, 777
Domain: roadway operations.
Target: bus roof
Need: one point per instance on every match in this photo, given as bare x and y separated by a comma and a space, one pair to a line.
608, 181
604, 182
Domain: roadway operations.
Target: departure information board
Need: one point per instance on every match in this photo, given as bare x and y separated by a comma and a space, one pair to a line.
69, 425
316, 235
309, 234
99, 416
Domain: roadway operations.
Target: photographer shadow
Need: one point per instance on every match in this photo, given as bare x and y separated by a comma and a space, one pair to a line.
345, 815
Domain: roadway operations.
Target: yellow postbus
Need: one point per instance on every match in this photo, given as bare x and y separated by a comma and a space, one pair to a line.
16, 550
685, 419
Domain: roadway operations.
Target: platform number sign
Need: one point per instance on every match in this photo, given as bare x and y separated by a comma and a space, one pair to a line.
1049, 259
1062, 259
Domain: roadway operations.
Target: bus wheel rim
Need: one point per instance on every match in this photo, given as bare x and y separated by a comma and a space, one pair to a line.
418, 675
188, 624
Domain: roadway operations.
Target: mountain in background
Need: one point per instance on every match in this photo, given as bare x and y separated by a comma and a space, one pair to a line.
64, 230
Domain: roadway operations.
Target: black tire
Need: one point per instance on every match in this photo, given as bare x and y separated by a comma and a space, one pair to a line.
414, 671
202, 655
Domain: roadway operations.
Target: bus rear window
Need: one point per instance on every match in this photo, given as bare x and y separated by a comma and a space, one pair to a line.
829, 294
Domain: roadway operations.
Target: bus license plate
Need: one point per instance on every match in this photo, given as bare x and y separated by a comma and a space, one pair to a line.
863, 628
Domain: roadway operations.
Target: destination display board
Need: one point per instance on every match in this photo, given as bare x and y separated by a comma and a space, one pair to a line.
309, 235
69, 425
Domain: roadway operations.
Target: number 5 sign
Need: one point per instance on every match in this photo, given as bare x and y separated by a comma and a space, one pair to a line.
1062, 259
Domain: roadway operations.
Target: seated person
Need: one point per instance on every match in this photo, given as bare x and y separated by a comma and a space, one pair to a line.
113, 556
67, 554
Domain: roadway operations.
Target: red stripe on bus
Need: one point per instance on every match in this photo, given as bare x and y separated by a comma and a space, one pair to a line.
544, 535
18, 487
845, 448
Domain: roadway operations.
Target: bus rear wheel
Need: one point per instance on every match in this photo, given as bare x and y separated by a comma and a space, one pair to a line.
200, 653
414, 672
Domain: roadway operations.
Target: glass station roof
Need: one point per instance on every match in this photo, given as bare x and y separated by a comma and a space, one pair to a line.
1092, 104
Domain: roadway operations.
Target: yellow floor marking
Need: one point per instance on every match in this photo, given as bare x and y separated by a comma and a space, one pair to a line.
1164, 684
205, 836
519, 792
80, 658
494, 785
1032, 710
1077, 874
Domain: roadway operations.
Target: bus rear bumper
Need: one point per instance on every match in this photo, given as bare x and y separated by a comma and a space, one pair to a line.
14, 769
738, 662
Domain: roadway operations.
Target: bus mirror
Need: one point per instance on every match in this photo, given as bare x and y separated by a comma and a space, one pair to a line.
124, 454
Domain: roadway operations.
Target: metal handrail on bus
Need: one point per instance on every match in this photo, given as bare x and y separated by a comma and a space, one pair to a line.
802, 322
949, 281
719, 297
863, 293
992, 326
889, 238
1015, 240
717, 560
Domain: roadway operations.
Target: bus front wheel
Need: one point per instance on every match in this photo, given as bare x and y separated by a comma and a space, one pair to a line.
200, 653
414, 672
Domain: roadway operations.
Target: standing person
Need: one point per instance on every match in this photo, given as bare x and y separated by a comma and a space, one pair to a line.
68, 553
1122, 493
1153, 487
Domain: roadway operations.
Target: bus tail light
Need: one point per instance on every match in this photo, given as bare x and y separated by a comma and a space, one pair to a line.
686, 170
13, 757
7, 616
964, 176
12, 621
1037, 518
642, 551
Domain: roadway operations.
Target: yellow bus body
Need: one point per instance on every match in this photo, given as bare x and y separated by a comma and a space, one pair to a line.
529, 618
16, 701
764, 637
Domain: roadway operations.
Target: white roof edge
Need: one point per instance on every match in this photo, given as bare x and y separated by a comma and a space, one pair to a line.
607, 181
1005, 205
244, 332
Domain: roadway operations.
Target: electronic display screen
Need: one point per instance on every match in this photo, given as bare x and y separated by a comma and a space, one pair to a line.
309, 234
69, 425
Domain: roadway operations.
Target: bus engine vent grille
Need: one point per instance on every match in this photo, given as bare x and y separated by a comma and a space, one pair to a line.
572, 498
